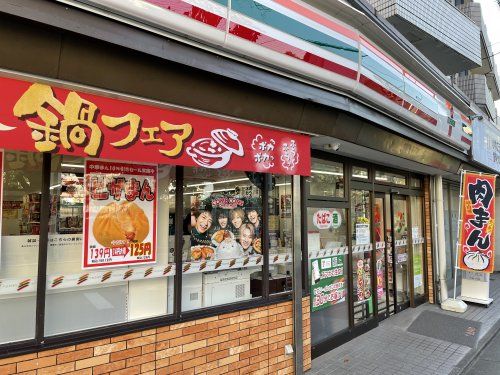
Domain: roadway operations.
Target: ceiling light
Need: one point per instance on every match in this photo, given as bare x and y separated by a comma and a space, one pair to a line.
218, 182
72, 165
328, 173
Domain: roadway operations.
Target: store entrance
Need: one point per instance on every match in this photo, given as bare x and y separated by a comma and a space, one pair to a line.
364, 245
398, 224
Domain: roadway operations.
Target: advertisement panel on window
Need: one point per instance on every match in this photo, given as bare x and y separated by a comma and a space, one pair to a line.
477, 229
45, 118
327, 282
119, 213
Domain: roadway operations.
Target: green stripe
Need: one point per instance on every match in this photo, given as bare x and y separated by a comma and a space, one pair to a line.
388, 75
221, 2
293, 27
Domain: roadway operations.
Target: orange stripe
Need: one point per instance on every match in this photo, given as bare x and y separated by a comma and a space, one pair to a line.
297, 8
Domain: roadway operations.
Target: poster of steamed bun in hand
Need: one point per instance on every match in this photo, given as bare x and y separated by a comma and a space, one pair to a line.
120, 214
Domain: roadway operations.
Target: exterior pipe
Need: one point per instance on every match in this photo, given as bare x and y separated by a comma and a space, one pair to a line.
297, 277
441, 237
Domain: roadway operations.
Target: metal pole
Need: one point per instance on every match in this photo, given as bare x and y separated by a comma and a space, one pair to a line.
459, 222
297, 277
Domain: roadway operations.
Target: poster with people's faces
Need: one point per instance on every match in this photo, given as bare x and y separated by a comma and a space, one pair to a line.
225, 227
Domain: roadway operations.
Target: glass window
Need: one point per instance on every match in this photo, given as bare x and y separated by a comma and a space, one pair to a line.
328, 262
380, 254
390, 178
401, 248
222, 251
20, 229
418, 243
360, 172
416, 182
361, 255
326, 180
280, 234
127, 265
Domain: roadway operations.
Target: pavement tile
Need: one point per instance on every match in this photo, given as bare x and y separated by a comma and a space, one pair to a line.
390, 349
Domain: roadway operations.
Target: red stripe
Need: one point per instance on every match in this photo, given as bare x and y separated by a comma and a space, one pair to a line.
286, 49
396, 99
466, 140
316, 17
191, 11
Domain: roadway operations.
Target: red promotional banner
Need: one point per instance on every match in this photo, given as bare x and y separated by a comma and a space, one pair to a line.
120, 213
477, 230
39, 117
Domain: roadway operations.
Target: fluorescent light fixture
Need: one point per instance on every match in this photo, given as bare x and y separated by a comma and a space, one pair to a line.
213, 191
55, 186
218, 182
284, 184
72, 165
326, 172
360, 175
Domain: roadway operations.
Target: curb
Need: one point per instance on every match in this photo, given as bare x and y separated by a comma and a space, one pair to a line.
464, 363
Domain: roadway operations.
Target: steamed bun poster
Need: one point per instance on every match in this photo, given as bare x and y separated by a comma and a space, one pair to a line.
120, 214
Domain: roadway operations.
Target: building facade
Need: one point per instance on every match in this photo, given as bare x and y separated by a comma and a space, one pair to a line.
212, 186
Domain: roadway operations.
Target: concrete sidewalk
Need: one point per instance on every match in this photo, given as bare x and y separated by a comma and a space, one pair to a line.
391, 349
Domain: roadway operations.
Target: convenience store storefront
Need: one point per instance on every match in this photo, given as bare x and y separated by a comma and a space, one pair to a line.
121, 215
124, 216
366, 244
184, 303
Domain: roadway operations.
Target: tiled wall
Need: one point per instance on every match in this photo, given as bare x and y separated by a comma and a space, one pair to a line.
246, 342
438, 18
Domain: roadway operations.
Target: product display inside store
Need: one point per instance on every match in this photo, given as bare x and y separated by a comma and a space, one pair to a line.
111, 240
223, 236
20, 227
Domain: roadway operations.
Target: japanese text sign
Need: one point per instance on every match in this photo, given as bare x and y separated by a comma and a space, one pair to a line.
477, 229
120, 214
39, 117
327, 282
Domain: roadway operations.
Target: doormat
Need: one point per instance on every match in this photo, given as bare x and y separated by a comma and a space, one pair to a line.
447, 328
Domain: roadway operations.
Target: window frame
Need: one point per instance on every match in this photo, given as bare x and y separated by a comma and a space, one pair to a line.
406, 175
325, 158
42, 342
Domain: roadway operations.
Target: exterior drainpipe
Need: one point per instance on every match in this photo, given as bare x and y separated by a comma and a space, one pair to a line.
297, 278
438, 190
450, 304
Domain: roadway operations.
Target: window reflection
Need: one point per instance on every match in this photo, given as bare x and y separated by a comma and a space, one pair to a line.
328, 268
390, 178
223, 251
361, 254
326, 180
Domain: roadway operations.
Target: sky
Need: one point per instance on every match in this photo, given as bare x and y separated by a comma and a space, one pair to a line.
491, 17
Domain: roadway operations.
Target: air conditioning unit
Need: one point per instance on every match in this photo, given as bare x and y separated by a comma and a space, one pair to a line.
226, 287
